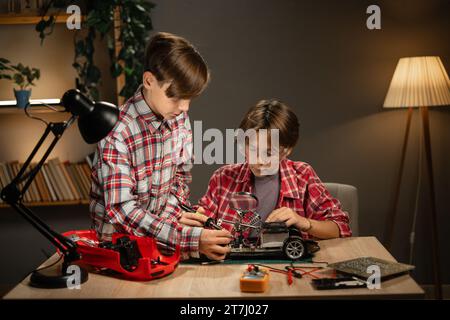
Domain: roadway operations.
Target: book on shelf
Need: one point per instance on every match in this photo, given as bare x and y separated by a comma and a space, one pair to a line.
90, 158
15, 167
5, 174
33, 187
61, 180
71, 183
48, 183
57, 187
3, 179
76, 180
83, 177
41, 186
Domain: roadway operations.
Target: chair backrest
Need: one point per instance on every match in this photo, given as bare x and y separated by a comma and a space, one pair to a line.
348, 197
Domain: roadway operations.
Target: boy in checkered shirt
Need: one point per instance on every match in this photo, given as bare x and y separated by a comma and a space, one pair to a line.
142, 170
287, 191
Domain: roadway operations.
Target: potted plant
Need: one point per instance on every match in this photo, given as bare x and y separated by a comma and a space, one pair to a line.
23, 77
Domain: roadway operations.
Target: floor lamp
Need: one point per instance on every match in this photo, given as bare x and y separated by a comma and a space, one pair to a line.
419, 82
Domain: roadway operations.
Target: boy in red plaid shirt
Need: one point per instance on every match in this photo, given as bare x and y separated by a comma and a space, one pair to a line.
142, 169
287, 191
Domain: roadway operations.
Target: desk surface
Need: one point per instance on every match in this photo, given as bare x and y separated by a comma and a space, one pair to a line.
222, 281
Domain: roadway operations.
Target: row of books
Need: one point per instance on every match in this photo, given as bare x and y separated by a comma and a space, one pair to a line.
56, 181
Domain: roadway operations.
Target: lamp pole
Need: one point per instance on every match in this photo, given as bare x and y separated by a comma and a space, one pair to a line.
434, 227
392, 216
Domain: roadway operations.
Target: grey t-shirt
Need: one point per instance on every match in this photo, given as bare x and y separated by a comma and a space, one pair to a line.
267, 190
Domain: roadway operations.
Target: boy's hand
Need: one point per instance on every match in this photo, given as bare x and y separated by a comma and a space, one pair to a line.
213, 243
290, 217
193, 219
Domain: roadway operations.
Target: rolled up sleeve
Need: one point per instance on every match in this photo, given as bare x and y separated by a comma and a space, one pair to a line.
320, 205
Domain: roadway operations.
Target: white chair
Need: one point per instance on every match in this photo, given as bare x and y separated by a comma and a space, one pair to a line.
348, 196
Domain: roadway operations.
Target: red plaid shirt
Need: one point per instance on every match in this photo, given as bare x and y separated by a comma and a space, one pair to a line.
300, 190
140, 176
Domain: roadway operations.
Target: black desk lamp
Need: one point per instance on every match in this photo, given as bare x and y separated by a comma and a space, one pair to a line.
95, 121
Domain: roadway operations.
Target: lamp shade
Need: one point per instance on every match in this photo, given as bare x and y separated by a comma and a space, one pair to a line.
418, 82
97, 124
95, 119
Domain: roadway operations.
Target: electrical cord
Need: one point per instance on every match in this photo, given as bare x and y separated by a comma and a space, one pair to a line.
37, 118
51, 265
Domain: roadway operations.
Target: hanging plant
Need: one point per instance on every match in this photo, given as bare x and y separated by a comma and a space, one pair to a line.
135, 24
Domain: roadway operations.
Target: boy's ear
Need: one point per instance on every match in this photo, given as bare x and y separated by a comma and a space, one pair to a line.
148, 80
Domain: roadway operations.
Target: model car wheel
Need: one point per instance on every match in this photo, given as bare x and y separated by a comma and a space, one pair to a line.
294, 248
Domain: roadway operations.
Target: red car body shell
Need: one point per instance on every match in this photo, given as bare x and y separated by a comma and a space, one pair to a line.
151, 265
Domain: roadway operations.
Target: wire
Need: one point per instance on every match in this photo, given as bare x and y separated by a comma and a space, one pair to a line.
37, 118
269, 267
49, 266
33, 117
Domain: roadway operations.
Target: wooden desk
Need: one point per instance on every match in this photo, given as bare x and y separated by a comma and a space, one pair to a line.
222, 281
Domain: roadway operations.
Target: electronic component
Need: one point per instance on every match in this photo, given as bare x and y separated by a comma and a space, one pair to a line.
128, 250
254, 279
338, 283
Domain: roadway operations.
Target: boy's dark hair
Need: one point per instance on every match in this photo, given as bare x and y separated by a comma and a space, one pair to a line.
173, 58
272, 114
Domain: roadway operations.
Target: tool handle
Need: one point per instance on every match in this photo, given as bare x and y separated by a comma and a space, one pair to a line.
289, 277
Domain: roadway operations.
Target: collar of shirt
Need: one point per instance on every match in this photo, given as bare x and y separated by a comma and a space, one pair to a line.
147, 113
288, 176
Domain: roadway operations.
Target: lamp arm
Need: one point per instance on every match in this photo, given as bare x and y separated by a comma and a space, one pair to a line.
12, 195
64, 244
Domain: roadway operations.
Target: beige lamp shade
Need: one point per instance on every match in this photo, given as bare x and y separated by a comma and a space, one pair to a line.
418, 82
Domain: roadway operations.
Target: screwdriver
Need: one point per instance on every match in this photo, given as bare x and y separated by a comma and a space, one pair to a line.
209, 222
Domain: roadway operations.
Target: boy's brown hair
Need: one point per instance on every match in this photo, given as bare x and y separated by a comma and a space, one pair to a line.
273, 114
173, 58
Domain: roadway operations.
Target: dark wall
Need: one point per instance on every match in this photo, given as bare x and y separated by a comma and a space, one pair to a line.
318, 57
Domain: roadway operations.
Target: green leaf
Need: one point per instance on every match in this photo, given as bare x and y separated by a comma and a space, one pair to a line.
140, 8
122, 54
93, 74
37, 73
40, 26
128, 71
79, 47
116, 69
89, 49
19, 79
